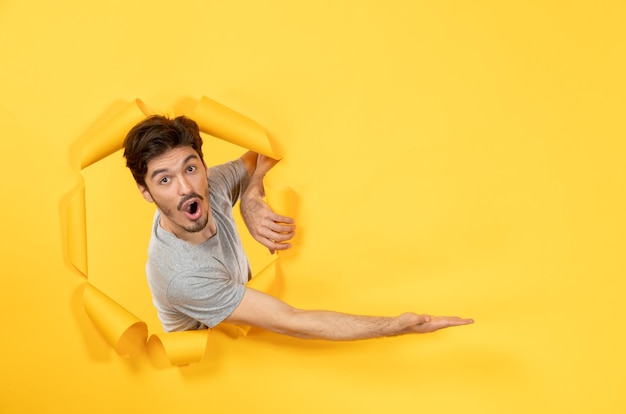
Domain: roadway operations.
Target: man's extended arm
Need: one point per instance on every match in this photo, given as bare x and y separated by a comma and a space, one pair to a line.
268, 228
264, 311
267, 312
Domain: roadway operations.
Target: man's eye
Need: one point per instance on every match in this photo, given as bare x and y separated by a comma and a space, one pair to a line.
191, 168
164, 180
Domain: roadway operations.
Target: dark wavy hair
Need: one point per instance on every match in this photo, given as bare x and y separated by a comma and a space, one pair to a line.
156, 135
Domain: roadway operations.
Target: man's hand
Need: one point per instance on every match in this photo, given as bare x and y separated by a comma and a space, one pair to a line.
413, 323
268, 228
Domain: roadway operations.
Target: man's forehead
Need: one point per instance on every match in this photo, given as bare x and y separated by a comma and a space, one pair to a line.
173, 157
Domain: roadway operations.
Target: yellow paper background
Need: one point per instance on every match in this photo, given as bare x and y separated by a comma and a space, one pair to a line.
447, 157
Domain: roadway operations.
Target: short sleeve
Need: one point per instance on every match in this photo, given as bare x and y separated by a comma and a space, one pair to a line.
231, 177
208, 299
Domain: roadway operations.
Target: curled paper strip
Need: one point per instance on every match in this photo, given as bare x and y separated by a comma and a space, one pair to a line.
75, 229
224, 123
125, 332
265, 279
177, 348
110, 138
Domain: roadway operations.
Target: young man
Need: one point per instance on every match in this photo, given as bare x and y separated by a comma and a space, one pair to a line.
197, 269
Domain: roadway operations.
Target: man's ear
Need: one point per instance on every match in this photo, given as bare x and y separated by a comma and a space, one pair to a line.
145, 193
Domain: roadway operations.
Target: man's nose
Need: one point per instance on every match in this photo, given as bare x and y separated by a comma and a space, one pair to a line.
184, 186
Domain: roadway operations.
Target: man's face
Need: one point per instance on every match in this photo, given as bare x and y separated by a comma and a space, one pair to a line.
177, 183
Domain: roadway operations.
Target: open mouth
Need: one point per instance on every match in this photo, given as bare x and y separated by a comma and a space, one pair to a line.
192, 210
193, 207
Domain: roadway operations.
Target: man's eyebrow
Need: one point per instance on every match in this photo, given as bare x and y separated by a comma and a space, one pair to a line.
189, 157
163, 170
157, 172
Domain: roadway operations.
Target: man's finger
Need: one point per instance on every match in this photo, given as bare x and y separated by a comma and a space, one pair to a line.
282, 237
281, 228
277, 218
281, 246
454, 320
273, 245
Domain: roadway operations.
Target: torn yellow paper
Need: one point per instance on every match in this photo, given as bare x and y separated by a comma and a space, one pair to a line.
75, 228
280, 200
123, 330
222, 122
265, 279
110, 137
177, 348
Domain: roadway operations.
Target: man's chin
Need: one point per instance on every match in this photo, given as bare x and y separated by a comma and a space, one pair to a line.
197, 225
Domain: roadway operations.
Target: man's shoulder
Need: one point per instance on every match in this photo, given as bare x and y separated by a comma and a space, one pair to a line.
228, 175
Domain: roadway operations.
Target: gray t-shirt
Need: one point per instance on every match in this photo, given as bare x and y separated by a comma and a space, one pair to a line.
197, 286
